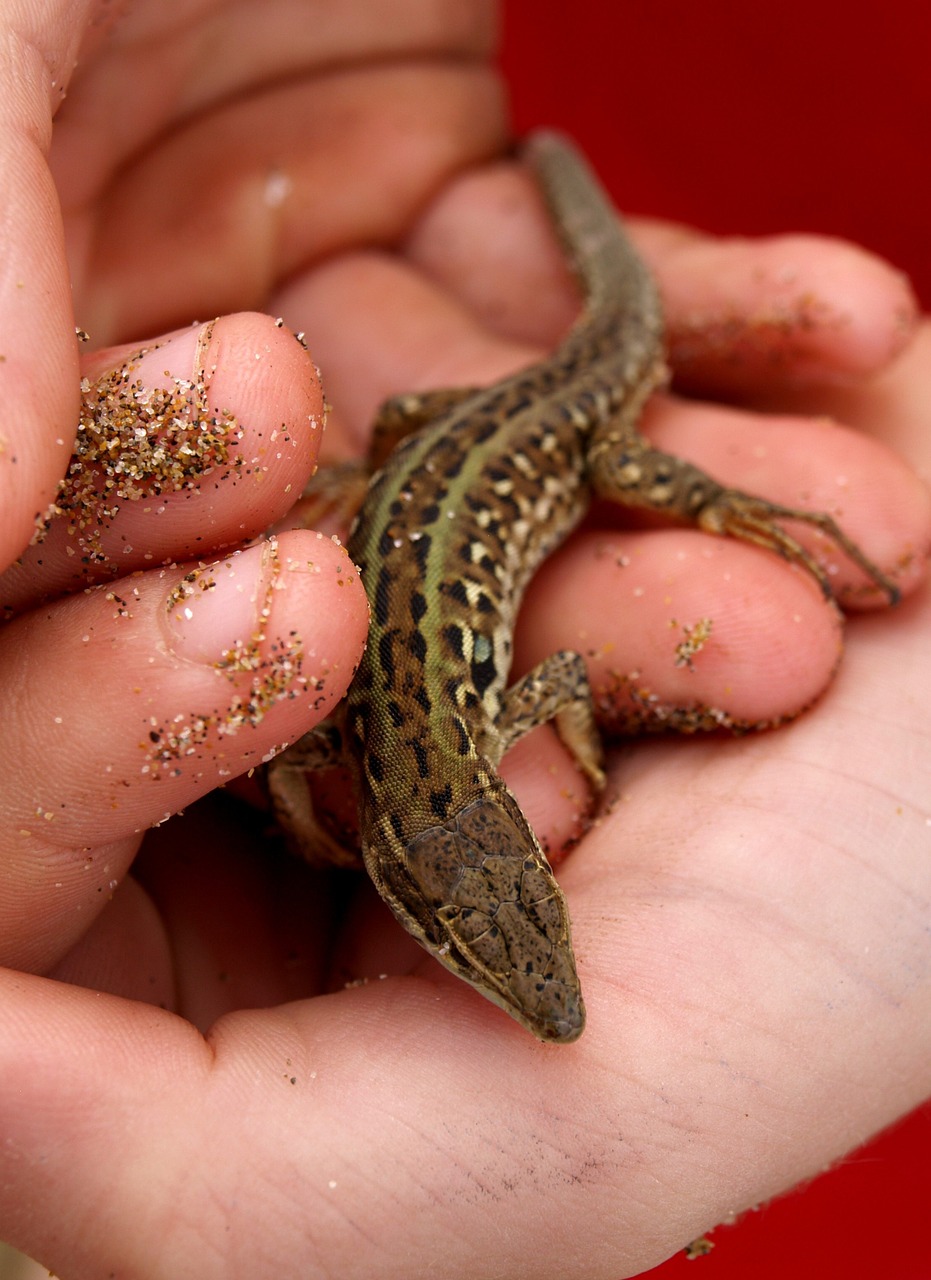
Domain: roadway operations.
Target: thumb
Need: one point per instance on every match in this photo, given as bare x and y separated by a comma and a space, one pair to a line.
51, 1205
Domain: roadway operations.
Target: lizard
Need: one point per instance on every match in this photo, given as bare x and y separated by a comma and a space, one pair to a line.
481, 487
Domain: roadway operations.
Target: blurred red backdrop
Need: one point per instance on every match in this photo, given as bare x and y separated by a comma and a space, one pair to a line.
809, 115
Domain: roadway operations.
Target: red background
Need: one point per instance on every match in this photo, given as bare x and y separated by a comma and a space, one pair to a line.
808, 115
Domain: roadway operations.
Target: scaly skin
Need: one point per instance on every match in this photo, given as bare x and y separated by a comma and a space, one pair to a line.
451, 529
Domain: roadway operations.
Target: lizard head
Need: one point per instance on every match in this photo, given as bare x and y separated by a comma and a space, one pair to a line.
479, 894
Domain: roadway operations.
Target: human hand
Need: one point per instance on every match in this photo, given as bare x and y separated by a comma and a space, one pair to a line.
138, 124
159, 1140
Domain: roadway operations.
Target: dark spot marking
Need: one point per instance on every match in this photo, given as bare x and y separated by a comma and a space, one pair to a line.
441, 800
418, 606
417, 645
422, 551
483, 674
381, 601
465, 742
395, 713
453, 637
518, 406
386, 657
420, 755
456, 591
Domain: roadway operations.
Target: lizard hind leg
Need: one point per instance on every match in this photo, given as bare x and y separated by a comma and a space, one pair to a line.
291, 797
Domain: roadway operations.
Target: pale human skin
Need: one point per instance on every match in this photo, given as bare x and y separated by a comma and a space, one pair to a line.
202, 1095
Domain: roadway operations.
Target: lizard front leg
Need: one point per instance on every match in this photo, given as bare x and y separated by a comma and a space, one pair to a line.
558, 690
626, 469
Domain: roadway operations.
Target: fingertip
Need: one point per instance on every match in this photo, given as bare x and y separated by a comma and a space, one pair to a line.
325, 583
245, 372
792, 309
682, 631
283, 624
194, 442
266, 371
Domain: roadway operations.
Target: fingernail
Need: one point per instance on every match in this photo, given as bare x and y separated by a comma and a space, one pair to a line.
178, 354
221, 607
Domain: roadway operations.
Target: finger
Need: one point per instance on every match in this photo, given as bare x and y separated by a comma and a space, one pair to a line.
219, 53
780, 309
37, 342
680, 631
739, 312
144, 697
816, 465
891, 407
292, 169
190, 444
